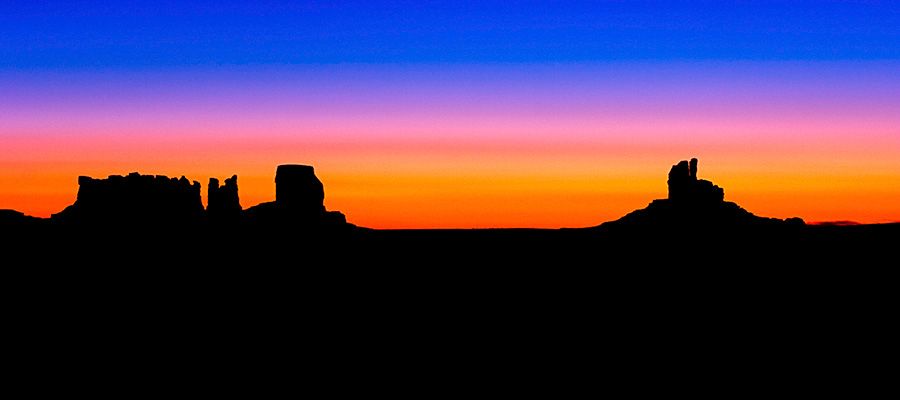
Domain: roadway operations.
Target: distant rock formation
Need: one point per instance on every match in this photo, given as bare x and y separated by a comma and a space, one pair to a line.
223, 201
693, 204
299, 200
135, 197
297, 188
684, 185
162, 203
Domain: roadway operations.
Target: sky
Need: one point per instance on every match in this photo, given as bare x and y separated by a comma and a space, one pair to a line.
440, 114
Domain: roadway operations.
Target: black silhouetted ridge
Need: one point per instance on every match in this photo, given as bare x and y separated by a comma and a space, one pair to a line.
147, 201
693, 204
135, 216
134, 198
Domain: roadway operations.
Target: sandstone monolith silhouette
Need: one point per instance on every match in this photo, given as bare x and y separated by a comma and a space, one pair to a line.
223, 200
299, 201
684, 185
148, 198
693, 205
298, 188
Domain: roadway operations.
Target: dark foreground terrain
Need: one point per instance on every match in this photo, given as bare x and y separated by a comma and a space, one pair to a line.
241, 243
689, 295
545, 313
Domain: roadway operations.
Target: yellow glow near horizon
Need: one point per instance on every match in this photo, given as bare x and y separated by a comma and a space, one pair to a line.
388, 185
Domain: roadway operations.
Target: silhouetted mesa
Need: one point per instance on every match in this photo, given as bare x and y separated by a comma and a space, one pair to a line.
297, 186
299, 200
684, 185
134, 197
141, 201
693, 203
223, 201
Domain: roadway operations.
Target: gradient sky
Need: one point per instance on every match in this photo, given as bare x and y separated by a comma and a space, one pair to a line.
432, 114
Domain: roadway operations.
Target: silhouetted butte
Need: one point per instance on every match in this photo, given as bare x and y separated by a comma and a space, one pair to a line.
134, 198
299, 201
693, 205
223, 201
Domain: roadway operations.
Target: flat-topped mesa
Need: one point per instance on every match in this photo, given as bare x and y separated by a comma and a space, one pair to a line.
685, 187
297, 188
299, 202
223, 200
135, 196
